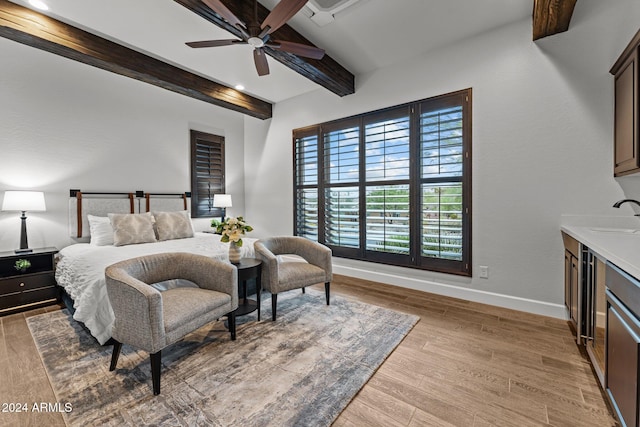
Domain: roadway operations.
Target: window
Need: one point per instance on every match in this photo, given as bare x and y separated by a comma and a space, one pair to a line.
207, 173
390, 186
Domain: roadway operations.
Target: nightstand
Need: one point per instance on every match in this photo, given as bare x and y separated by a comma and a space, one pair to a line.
35, 287
248, 268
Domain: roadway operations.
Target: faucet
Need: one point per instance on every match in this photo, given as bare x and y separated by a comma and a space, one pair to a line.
620, 202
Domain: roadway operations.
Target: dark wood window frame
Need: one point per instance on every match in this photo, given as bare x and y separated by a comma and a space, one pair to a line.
421, 192
207, 173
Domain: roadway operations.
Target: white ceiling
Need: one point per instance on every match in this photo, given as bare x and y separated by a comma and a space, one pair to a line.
369, 34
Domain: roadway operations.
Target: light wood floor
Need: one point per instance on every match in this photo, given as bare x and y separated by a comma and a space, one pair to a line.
463, 364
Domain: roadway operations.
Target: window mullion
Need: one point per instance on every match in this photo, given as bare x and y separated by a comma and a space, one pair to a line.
321, 187
362, 188
415, 232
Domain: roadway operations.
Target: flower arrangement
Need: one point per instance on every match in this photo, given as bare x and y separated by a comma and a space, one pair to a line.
231, 229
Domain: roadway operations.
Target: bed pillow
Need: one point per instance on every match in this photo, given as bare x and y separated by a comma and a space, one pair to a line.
173, 225
130, 229
100, 230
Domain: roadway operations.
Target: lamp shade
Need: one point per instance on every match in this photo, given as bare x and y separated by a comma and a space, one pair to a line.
23, 201
222, 201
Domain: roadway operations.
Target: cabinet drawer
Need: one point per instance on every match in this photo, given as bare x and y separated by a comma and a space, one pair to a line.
29, 297
625, 287
40, 263
26, 283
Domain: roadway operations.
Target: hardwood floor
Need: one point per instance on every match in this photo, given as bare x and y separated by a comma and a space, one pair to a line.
463, 364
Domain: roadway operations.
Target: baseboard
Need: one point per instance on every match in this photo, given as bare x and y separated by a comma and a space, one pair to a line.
507, 301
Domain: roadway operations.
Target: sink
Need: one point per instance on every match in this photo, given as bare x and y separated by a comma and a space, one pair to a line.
616, 230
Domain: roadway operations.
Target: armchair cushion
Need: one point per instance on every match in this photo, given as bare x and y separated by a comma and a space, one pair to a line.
294, 275
185, 307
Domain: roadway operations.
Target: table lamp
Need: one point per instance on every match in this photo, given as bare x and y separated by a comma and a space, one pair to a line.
23, 201
222, 201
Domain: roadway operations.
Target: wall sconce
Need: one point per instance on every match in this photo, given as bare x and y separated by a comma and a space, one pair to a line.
222, 201
23, 201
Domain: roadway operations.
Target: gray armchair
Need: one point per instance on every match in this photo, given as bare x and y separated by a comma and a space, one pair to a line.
279, 275
197, 290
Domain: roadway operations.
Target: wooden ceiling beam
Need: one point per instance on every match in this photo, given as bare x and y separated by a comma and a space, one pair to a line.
42, 32
326, 72
551, 17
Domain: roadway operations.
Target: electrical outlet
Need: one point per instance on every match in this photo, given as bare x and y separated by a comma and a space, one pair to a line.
484, 272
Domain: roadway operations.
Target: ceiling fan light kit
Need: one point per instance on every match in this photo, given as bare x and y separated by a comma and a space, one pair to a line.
258, 35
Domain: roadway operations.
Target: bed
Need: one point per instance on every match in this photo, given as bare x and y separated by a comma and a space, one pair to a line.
80, 267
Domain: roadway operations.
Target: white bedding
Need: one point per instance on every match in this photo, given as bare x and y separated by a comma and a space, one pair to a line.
80, 271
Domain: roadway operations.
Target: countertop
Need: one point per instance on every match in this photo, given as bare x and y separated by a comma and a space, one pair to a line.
615, 244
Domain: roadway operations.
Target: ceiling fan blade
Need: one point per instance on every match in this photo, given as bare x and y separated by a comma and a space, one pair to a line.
218, 7
260, 60
298, 49
280, 14
215, 43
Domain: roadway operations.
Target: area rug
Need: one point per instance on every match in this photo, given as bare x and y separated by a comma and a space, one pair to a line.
301, 370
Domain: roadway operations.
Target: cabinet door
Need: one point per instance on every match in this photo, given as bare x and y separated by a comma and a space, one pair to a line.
622, 363
626, 118
597, 312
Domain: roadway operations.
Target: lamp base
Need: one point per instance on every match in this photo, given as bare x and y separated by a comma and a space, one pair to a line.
23, 251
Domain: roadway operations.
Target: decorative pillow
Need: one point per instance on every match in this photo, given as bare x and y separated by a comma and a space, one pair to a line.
129, 229
173, 225
100, 230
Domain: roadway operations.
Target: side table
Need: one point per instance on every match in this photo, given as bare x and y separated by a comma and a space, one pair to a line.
31, 288
248, 268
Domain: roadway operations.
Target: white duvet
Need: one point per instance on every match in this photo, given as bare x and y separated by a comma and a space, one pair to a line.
80, 271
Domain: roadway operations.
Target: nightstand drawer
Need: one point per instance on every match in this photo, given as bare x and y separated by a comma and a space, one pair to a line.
26, 283
29, 297
40, 263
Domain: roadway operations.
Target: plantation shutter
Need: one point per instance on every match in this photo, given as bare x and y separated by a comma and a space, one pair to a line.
387, 159
341, 156
306, 197
207, 173
441, 139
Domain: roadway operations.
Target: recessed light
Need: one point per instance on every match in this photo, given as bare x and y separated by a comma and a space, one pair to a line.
239, 87
38, 4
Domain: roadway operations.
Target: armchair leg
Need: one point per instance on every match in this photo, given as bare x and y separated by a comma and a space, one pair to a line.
258, 293
117, 346
327, 285
274, 303
155, 371
231, 317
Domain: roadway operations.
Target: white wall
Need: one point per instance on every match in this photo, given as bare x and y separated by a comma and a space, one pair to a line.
68, 125
542, 147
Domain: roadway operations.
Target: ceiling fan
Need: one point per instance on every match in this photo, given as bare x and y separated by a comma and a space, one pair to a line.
259, 35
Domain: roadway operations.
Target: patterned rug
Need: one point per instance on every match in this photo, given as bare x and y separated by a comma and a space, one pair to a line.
301, 370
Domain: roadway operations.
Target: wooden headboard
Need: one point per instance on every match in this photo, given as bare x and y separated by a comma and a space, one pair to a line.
166, 202
83, 203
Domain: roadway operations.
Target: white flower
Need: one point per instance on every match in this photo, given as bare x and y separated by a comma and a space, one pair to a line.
232, 229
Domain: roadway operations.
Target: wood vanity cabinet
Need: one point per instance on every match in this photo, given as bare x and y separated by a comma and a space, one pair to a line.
626, 136
623, 344
584, 294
